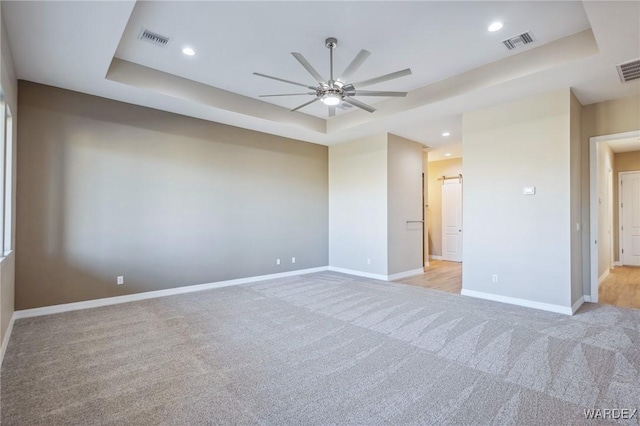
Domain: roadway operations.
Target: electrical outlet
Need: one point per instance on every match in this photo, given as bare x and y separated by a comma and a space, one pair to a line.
120, 280
494, 278
368, 261
277, 261
293, 260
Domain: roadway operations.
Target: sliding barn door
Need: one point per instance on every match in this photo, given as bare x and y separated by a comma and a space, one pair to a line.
452, 220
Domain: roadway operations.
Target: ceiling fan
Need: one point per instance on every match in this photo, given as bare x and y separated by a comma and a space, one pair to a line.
333, 91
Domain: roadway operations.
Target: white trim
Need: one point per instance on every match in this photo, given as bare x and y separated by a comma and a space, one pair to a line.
392, 277
435, 257
587, 298
48, 310
405, 274
617, 263
577, 305
520, 302
604, 275
5, 341
358, 273
6, 256
593, 206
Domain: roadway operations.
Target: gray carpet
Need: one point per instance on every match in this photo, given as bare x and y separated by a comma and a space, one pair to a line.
318, 349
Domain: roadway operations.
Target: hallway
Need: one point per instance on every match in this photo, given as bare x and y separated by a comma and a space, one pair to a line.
439, 275
621, 288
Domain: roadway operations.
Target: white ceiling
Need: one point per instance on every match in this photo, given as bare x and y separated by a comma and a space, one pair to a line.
72, 44
624, 145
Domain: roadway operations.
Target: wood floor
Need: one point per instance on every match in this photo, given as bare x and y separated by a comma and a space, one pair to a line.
439, 275
621, 287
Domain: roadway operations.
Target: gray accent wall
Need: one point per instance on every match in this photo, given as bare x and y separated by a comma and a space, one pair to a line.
107, 189
404, 179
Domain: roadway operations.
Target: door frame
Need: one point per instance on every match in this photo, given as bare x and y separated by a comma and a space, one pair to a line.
593, 205
620, 239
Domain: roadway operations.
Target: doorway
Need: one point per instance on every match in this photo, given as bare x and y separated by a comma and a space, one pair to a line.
611, 158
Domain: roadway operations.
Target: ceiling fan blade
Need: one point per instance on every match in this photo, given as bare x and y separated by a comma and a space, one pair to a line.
305, 104
287, 94
382, 78
332, 111
283, 80
358, 104
308, 66
380, 93
354, 65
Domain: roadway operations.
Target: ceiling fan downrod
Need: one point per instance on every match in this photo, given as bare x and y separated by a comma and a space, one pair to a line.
331, 43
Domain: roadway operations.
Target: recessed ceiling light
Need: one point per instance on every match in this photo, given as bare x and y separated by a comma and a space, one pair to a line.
188, 51
496, 26
446, 134
448, 154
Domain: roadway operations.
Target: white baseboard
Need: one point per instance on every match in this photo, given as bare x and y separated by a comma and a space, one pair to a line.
577, 305
392, 277
405, 274
358, 273
587, 298
567, 310
5, 341
55, 309
604, 275
435, 257
617, 263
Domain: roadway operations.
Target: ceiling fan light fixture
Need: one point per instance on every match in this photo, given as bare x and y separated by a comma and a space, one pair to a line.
334, 92
331, 99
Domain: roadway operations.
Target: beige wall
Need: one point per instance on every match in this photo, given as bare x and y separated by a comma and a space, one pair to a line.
358, 205
437, 169
404, 179
575, 130
622, 162
525, 240
7, 267
374, 188
107, 189
603, 118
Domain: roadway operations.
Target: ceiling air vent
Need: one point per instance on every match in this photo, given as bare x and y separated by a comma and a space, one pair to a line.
629, 70
154, 38
518, 41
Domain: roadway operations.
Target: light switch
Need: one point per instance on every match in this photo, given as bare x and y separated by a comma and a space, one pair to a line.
529, 190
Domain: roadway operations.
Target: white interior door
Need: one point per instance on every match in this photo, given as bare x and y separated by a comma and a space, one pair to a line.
452, 220
630, 215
